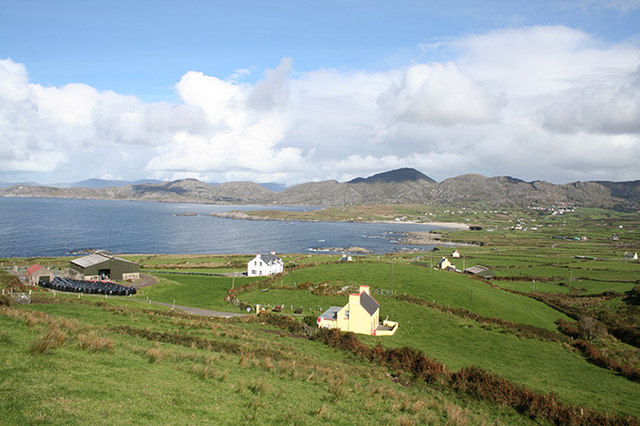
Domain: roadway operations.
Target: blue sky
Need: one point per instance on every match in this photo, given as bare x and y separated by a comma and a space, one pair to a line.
293, 91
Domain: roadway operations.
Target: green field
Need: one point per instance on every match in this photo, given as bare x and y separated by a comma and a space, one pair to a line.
141, 363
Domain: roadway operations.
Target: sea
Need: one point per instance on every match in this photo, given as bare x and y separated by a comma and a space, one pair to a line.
38, 227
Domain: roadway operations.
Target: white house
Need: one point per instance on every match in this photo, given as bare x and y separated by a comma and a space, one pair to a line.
265, 264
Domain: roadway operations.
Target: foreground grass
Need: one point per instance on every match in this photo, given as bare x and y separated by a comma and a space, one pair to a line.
147, 372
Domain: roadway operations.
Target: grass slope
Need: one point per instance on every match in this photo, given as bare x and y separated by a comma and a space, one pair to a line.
445, 288
125, 364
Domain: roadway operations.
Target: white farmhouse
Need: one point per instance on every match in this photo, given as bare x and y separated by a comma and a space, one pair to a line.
265, 264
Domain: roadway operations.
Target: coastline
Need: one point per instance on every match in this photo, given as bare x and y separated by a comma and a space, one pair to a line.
456, 226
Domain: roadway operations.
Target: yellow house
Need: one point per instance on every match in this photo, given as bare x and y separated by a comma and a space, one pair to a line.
360, 315
445, 264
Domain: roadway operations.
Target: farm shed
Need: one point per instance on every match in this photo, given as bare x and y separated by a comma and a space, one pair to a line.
481, 271
100, 266
38, 274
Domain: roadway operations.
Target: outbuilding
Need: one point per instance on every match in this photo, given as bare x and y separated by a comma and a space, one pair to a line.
37, 274
98, 266
481, 271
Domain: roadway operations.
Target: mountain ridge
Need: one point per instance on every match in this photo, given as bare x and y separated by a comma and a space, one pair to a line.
393, 187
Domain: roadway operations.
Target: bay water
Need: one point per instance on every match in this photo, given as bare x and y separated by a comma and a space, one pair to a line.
32, 227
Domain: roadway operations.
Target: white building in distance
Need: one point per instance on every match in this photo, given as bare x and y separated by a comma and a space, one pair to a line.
265, 264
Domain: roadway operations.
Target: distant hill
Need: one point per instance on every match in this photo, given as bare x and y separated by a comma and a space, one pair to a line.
400, 175
275, 187
103, 183
396, 186
9, 184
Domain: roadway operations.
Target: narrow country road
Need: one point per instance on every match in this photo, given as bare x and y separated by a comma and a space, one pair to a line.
198, 311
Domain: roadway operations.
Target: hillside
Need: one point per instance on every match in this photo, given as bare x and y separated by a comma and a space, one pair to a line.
393, 187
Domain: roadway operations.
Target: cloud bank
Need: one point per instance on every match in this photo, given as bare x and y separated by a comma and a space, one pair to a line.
548, 102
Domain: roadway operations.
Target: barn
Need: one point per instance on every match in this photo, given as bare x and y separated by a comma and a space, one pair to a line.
98, 266
37, 274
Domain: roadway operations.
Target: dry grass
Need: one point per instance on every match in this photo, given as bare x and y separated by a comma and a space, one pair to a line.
46, 343
154, 354
93, 343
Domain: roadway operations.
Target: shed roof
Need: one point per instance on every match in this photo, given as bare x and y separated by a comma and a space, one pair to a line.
478, 270
95, 259
331, 313
33, 268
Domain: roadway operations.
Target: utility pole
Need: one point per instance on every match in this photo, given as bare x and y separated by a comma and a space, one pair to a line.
391, 278
570, 278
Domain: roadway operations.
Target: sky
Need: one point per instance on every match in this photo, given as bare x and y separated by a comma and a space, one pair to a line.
300, 90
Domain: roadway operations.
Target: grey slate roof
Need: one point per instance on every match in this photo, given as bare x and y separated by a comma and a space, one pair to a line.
269, 259
369, 303
331, 313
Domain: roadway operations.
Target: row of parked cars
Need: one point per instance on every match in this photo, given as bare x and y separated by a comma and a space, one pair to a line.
88, 287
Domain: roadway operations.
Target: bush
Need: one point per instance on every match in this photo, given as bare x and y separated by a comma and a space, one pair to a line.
589, 328
5, 300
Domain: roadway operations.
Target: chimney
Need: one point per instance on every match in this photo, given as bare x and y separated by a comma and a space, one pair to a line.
364, 289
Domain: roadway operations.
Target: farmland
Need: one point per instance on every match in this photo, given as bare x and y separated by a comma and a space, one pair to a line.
563, 282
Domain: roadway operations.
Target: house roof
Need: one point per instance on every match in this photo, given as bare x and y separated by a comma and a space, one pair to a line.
269, 259
331, 313
33, 269
369, 303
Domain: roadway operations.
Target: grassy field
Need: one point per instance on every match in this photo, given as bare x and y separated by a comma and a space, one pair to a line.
148, 366
445, 288
192, 290
143, 363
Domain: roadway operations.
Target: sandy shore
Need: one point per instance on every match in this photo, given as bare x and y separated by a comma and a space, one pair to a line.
448, 225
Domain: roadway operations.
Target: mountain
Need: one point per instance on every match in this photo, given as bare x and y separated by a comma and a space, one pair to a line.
400, 175
396, 186
275, 187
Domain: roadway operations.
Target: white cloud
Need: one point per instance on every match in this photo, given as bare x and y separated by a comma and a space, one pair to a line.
271, 91
549, 103
608, 109
537, 60
438, 94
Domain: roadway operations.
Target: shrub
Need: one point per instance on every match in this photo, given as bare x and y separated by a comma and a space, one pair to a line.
589, 328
